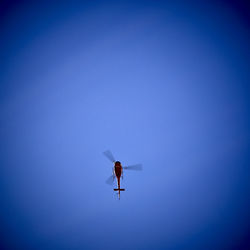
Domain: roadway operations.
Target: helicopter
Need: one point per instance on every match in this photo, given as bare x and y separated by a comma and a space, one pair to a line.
118, 171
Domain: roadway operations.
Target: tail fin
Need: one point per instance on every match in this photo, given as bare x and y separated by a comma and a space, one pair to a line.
119, 189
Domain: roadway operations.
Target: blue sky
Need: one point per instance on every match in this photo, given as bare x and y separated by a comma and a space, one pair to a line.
158, 83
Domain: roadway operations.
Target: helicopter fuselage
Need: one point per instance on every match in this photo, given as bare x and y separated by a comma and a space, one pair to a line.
118, 173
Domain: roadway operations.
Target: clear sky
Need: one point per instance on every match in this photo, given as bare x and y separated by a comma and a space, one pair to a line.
158, 83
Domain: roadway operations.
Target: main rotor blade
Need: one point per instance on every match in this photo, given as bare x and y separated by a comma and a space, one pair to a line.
110, 180
109, 155
136, 167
